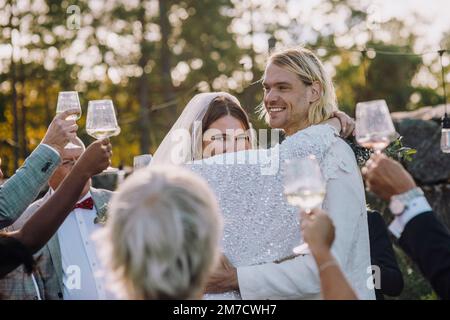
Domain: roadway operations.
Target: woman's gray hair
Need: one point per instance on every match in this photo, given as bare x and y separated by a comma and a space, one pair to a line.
162, 236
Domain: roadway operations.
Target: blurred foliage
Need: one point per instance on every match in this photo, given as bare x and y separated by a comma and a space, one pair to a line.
395, 150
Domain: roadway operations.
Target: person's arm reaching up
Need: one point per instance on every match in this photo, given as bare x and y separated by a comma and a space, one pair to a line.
45, 222
318, 232
19, 191
421, 235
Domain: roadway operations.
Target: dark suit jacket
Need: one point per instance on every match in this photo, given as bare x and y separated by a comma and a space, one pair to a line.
12, 254
427, 241
382, 255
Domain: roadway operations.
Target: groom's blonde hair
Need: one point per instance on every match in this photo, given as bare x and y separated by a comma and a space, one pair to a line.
307, 66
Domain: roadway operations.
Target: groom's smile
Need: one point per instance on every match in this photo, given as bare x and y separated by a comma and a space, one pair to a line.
277, 116
276, 113
275, 109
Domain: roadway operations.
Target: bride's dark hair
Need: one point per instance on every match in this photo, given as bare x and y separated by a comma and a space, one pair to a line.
222, 106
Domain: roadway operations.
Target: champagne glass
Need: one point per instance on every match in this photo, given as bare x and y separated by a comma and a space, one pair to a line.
304, 187
101, 121
68, 100
141, 161
374, 127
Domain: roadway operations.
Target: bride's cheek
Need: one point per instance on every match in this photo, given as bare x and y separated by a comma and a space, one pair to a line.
210, 149
219, 147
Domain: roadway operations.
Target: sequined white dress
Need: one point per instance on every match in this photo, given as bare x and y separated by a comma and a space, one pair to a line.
260, 227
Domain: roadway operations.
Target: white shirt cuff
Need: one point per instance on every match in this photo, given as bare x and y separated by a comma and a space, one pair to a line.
415, 207
51, 148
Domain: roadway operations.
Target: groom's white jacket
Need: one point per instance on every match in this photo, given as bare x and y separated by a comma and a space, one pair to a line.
263, 228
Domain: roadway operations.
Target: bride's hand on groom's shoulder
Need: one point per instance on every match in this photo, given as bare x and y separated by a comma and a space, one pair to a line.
343, 123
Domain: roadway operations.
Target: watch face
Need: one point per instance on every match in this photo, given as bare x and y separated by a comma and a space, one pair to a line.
396, 206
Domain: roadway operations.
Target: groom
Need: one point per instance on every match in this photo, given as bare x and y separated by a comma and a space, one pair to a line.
297, 94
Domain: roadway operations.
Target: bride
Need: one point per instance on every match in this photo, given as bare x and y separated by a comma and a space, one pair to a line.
260, 228
211, 123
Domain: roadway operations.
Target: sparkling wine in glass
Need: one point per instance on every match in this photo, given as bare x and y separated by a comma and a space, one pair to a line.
141, 161
68, 100
374, 127
304, 187
101, 121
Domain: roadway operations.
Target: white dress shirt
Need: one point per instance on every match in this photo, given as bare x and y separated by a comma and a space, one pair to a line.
82, 271
415, 207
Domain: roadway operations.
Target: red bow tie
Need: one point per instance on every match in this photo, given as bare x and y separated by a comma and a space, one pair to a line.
85, 204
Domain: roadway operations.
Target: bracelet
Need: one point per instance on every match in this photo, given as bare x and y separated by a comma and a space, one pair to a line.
329, 263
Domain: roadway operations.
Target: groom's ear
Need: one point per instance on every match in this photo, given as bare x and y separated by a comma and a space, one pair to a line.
315, 91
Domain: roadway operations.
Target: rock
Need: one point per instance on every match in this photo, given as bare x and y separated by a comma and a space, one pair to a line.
430, 165
424, 113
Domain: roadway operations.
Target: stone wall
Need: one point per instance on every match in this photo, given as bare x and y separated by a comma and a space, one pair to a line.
430, 167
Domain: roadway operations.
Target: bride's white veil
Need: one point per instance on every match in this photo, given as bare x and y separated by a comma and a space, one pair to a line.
183, 143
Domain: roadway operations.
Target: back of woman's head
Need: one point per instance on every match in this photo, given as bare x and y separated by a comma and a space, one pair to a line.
162, 234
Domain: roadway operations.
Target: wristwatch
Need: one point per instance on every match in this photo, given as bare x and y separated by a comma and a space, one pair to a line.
399, 202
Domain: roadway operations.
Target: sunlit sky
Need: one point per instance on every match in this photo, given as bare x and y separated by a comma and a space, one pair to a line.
436, 13
428, 19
